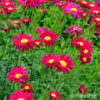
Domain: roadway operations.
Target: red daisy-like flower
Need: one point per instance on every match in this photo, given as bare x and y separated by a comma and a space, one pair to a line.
84, 14
18, 74
21, 95
48, 37
9, 9
85, 59
64, 63
83, 3
96, 20
86, 51
25, 20
37, 42
95, 11
91, 5
72, 8
23, 42
80, 42
6, 3
82, 89
50, 60
54, 95
26, 87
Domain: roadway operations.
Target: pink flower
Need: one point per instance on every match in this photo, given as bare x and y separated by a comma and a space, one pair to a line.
95, 11
72, 30
18, 74
21, 95
61, 4
26, 87
23, 42
85, 59
25, 20
50, 60
54, 95
72, 8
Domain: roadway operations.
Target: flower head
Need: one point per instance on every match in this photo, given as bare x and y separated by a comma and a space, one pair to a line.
82, 89
21, 95
50, 60
80, 42
72, 8
23, 42
64, 63
48, 37
54, 95
26, 87
85, 59
18, 74
25, 20
73, 30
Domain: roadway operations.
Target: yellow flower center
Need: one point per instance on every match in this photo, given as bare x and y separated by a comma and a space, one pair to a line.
73, 9
84, 59
51, 61
53, 95
85, 51
7, 3
74, 28
15, 21
37, 43
10, 8
84, 14
92, 5
24, 41
96, 11
63, 63
18, 75
98, 19
26, 87
20, 99
80, 43
84, 2
47, 38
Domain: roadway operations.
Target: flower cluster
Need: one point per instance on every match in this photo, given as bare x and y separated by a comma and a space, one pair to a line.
19, 74
32, 3
62, 63
85, 48
8, 6
25, 42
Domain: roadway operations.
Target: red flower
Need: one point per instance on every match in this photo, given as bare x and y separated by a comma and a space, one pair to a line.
83, 14
86, 51
23, 42
80, 42
48, 37
61, 4
18, 74
37, 42
82, 89
25, 20
6, 29
85, 59
64, 63
6, 3
21, 95
9, 9
54, 95
95, 11
50, 60
83, 3
91, 5
40, 30
96, 20
26, 87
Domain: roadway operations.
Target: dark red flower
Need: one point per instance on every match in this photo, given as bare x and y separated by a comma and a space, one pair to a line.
82, 89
